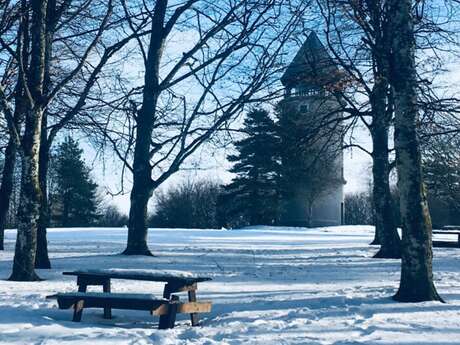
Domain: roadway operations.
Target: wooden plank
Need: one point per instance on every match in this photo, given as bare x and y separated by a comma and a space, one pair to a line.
185, 308
193, 316
133, 275
195, 307
107, 310
105, 300
174, 287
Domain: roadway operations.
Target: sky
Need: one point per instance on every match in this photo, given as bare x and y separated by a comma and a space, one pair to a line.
209, 163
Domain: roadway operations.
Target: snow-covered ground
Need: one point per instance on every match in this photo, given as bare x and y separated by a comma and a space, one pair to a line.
270, 286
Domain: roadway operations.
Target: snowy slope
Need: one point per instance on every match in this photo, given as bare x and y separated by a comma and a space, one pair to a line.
270, 286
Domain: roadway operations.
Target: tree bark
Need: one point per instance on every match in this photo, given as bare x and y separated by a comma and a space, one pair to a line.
28, 215
385, 224
143, 185
6, 187
416, 283
376, 240
42, 258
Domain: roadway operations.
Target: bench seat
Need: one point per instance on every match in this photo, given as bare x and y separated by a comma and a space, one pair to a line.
105, 299
446, 243
166, 309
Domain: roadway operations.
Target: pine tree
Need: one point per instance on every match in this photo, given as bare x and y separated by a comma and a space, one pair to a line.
252, 194
74, 202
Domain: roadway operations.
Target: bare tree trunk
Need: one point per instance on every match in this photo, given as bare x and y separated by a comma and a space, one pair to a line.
26, 242
42, 259
376, 240
143, 185
416, 283
141, 192
6, 187
385, 224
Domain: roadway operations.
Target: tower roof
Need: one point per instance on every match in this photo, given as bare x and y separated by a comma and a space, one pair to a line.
312, 64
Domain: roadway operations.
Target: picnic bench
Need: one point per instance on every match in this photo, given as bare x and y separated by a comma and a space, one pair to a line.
447, 230
166, 307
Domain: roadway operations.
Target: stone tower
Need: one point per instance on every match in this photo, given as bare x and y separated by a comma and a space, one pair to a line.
311, 83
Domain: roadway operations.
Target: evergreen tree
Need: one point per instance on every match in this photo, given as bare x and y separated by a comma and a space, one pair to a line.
74, 201
252, 195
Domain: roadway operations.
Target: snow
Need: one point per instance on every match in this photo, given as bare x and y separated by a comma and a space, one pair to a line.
140, 272
270, 286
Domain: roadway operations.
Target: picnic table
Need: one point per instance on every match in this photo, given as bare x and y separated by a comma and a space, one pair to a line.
447, 230
176, 281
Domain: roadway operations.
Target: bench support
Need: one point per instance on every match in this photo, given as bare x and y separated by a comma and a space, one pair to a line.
194, 316
169, 319
83, 283
78, 310
191, 289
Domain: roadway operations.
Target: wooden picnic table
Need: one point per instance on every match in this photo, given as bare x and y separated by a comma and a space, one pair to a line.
447, 230
175, 282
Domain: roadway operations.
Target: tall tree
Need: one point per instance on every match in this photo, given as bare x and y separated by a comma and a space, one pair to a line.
7, 25
24, 258
225, 65
75, 200
416, 282
362, 25
253, 193
39, 95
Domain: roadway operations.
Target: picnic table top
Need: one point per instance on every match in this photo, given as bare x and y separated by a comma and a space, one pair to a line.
141, 274
446, 231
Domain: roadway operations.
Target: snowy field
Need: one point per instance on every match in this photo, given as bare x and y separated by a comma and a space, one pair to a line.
270, 286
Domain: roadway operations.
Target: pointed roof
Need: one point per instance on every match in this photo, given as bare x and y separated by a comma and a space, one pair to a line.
312, 64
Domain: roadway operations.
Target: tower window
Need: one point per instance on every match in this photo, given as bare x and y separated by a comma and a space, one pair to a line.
306, 91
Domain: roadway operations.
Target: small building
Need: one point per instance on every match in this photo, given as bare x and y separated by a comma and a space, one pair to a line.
312, 83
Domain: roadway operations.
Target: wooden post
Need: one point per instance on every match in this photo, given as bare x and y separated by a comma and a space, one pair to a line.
193, 316
167, 291
168, 320
107, 310
78, 310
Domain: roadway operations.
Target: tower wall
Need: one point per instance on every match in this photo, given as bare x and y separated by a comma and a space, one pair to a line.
327, 208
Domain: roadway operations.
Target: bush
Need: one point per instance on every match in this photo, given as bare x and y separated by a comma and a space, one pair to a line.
187, 205
358, 209
110, 216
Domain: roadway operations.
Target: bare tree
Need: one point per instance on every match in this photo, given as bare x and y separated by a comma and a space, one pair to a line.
358, 37
9, 13
416, 283
227, 61
42, 82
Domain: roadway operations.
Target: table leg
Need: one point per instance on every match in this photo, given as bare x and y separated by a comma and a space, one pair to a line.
193, 316
168, 320
78, 311
167, 291
106, 288
82, 287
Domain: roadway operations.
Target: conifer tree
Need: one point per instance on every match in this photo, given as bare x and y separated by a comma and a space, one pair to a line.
74, 203
253, 194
